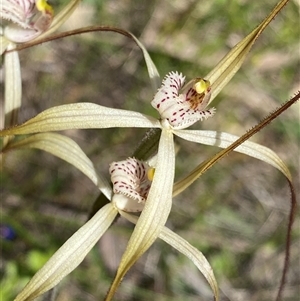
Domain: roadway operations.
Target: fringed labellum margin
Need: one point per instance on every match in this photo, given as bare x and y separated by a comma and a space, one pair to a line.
182, 107
131, 180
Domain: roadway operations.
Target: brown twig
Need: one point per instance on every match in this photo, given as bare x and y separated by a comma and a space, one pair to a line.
72, 33
293, 200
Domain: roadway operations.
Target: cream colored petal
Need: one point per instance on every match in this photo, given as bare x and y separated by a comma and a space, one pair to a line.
156, 210
199, 260
249, 148
260, 152
66, 149
70, 255
231, 63
184, 247
81, 116
13, 86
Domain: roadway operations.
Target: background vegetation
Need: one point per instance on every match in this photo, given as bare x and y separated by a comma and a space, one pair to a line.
236, 214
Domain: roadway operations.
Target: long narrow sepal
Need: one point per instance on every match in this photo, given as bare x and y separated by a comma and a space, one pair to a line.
184, 247
199, 260
233, 60
249, 148
81, 116
13, 86
231, 63
70, 255
66, 149
207, 164
204, 166
155, 212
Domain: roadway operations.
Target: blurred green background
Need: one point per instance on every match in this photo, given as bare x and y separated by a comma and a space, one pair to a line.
236, 214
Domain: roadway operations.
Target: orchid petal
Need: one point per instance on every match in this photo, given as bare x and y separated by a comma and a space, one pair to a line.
13, 86
193, 254
263, 153
184, 247
231, 63
249, 148
81, 116
155, 212
66, 149
70, 255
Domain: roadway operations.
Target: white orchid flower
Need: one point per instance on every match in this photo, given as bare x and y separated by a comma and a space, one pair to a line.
23, 21
135, 185
179, 107
28, 19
